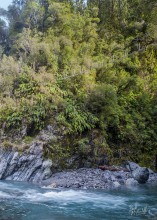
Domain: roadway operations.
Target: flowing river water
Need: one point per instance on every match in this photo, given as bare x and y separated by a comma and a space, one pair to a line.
23, 201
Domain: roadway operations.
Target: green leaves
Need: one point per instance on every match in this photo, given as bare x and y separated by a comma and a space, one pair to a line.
83, 67
76, 117
24, 86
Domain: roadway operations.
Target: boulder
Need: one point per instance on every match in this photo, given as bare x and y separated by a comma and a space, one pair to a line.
131, 165
141, 174
116, 184
131, 182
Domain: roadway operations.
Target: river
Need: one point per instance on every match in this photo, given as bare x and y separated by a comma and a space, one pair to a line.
23, 201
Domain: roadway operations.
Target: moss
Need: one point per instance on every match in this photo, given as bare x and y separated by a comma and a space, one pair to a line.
28, 139
7, 145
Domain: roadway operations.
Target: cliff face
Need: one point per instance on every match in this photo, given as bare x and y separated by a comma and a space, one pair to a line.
27, 166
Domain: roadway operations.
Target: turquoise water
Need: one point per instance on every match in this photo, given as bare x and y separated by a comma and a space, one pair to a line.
22, 201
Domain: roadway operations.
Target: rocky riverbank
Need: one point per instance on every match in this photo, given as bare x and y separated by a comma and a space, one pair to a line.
94, 178
31, 165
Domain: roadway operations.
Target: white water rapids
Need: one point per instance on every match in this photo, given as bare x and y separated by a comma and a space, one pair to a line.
23, 201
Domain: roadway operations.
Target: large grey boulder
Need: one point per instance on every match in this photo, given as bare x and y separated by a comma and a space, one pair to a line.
132, 166
141, 174
131, 182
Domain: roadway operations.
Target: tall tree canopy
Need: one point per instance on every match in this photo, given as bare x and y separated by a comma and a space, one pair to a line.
88, 66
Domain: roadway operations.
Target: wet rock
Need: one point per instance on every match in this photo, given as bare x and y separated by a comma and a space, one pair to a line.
141, 174
116, 184
112, 178
131, 182
153, 178
107, 175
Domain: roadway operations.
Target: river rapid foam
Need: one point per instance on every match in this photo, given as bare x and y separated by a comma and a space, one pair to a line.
25, 201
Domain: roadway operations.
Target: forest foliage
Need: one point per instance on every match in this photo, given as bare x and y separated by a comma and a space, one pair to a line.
84, 65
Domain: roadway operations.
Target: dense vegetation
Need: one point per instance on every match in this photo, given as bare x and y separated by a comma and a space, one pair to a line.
89, 67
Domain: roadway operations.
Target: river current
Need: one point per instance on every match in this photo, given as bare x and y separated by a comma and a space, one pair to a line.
23, 201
